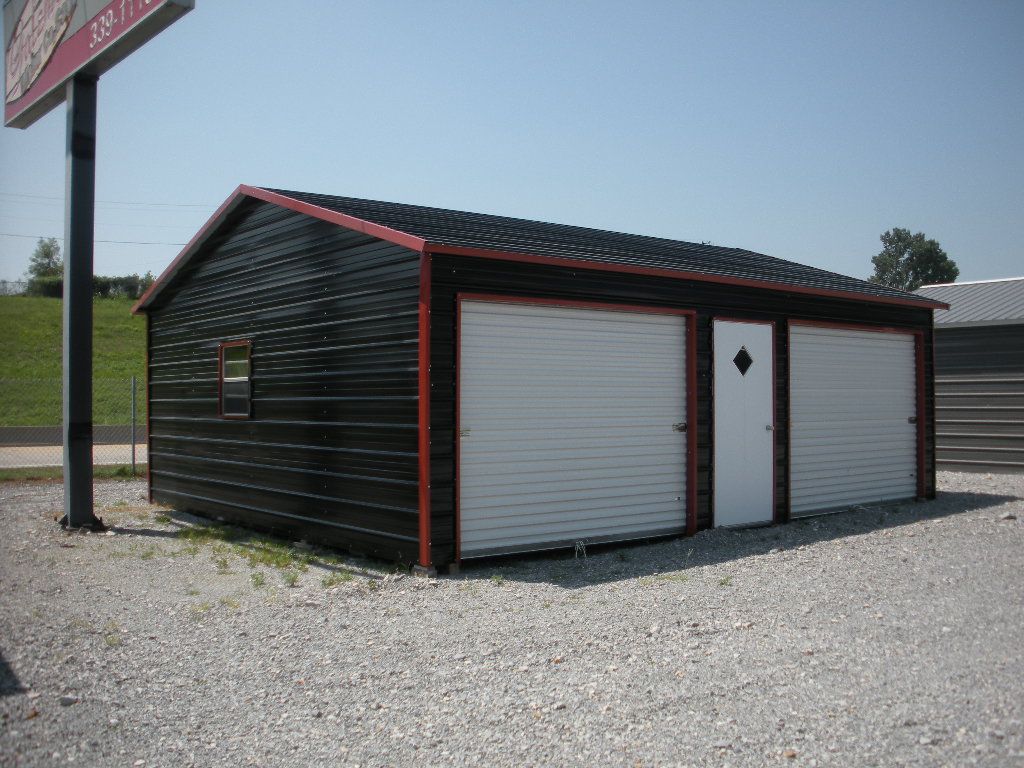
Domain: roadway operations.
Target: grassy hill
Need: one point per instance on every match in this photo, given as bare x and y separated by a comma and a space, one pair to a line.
30, 360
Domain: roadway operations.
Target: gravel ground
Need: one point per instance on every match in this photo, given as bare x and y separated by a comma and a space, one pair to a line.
876, 637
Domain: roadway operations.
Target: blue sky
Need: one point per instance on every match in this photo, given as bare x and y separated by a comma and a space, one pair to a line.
799, 129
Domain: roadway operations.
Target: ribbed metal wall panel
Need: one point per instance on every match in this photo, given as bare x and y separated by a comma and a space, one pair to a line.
853, 394
452, 275
566, 426
330, 452
979, 389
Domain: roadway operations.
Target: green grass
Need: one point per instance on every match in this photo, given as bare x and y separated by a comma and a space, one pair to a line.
56, 473
30, 360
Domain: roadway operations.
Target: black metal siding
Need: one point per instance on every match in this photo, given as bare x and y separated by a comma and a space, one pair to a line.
330, 452
979, 386
452, 275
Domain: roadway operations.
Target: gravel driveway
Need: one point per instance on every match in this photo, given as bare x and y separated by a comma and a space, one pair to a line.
877, 637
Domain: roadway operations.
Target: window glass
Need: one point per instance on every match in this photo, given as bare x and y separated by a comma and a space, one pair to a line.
235, 389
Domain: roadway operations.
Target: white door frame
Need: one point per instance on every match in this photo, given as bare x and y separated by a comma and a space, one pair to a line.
759, 494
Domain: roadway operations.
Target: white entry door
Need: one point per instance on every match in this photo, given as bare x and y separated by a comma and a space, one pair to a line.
744, 375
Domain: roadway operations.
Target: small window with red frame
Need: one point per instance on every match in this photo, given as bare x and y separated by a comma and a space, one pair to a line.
235, 379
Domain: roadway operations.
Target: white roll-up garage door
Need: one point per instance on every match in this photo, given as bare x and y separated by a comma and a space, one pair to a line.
570, 425
852, 407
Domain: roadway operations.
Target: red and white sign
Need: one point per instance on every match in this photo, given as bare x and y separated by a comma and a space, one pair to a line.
47, 42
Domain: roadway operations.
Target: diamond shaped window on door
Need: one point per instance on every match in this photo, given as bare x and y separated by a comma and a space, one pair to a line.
743, 361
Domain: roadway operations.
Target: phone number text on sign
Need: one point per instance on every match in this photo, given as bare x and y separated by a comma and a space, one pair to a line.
121, 12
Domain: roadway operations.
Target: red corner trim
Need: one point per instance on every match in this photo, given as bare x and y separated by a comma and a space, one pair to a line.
424, 411
528, 258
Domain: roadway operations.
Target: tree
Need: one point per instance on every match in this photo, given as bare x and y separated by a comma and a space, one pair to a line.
909, 261
46, 260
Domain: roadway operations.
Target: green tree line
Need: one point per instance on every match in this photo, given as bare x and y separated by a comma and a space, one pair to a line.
45, 276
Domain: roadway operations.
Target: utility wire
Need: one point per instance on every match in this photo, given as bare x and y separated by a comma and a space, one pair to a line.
119, 242
114, 202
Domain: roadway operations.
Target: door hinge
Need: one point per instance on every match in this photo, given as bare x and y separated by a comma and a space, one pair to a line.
680, 427
912, 420
464, 433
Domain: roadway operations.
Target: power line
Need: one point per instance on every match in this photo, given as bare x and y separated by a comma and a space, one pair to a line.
118, 242
114, 202
51, 222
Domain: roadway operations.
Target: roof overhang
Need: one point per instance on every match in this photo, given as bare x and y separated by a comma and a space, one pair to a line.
939, 326
244, 192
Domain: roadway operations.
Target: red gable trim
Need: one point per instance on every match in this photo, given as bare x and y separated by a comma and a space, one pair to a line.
218, 217
528, 258
245, 191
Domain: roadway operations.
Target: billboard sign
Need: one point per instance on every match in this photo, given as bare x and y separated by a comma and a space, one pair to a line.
47, 42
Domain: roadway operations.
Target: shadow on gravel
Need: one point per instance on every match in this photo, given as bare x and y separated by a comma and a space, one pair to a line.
656, 557
9, 683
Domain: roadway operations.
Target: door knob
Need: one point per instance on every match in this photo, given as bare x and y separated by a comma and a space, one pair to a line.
769, 427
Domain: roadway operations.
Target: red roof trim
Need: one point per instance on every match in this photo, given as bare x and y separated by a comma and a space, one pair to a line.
349, 222
528, 258
422, 246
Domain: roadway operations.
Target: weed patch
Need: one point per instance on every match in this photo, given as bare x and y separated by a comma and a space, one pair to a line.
230, 602
335, 578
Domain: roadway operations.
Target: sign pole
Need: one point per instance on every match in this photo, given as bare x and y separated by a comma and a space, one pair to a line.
79, 215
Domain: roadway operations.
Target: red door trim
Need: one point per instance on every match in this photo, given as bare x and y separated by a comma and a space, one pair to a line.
776, 506
690, 376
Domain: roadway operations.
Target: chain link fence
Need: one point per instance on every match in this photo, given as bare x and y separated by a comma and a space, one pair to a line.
13, 287
31, 434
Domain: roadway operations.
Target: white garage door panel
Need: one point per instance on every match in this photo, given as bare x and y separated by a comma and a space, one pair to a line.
565, 420
852, 393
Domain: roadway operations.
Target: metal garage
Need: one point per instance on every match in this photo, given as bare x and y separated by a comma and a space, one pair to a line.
854, 417
979, 375
431, 385
571, 425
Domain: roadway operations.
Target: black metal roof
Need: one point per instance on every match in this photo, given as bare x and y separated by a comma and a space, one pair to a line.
985, 302
459, 229
439, 230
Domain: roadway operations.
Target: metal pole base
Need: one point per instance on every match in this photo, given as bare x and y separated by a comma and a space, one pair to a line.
93, 524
